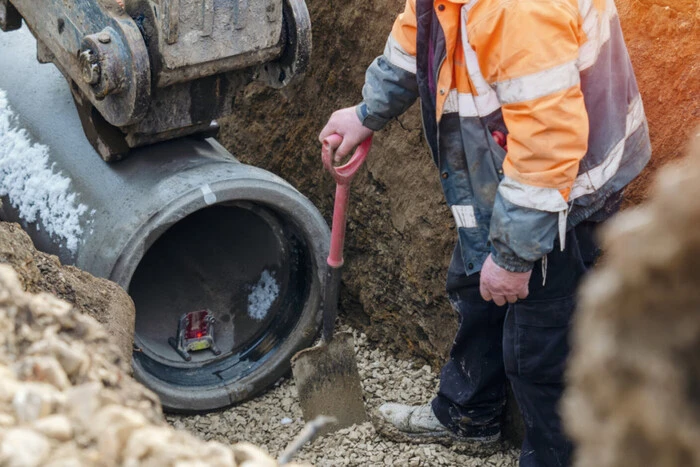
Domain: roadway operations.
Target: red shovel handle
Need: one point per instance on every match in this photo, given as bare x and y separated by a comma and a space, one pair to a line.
343, 175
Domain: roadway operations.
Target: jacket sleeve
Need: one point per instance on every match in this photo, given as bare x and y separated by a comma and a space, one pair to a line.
528, 52
390, 82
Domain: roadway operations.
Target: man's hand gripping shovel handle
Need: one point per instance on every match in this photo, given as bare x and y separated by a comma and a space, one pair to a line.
343, 175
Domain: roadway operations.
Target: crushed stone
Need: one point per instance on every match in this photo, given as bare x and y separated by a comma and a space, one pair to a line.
274, 419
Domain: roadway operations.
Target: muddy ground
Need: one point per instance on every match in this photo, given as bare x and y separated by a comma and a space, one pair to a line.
663, 37
400, 232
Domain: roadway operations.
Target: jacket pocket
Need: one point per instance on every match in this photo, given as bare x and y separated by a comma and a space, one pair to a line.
540, 336
475, 247
497, 134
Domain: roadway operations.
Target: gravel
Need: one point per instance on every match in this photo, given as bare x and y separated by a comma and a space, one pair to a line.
272, 420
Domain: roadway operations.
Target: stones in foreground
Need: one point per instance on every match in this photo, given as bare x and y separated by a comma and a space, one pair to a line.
633, 375
64, 399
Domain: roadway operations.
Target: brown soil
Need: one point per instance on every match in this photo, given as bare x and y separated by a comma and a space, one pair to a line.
101, 299
402, 239
663, 37
400, 232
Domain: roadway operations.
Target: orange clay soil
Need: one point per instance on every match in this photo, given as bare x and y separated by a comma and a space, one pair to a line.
663, 38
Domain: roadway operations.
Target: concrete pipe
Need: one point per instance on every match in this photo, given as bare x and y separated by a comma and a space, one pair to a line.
181, 225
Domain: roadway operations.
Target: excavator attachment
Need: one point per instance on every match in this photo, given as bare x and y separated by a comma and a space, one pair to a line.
144, 71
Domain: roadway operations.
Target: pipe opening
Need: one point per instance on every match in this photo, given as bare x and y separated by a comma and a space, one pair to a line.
244, 262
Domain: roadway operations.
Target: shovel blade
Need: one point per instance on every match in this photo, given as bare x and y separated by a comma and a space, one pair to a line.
328, 383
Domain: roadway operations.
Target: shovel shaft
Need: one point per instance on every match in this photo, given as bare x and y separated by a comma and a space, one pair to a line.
335, 256
343, 175
330, 302
335, 261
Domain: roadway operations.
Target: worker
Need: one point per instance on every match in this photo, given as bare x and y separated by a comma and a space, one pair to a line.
534, 120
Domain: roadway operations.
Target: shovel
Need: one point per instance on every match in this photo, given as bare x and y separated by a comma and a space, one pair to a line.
326, 375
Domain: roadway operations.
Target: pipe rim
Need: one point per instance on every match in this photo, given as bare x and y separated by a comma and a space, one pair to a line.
277, 195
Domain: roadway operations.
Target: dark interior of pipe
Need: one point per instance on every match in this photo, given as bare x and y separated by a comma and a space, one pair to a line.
243, 262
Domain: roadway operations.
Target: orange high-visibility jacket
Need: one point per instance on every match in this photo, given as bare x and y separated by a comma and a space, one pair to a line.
552, 75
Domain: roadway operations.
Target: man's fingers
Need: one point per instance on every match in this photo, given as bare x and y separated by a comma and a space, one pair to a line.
334, 142
523, 293
485, 294
512, 298
499, 300
325, 133
344, 149
345, 126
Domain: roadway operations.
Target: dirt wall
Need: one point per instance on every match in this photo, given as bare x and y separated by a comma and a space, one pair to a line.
663, 37
400, 232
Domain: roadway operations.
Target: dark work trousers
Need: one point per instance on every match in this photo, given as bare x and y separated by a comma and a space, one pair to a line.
527, 342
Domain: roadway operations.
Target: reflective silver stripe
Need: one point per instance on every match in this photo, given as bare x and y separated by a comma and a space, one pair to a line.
469, 105
540, 84
464, 216
589, 181
469, 6
486, 103
398, 56
451, 105
477, 106
597, 29
541, 199
533, 197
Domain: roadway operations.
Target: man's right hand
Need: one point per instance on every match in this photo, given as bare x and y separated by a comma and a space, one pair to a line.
345, 123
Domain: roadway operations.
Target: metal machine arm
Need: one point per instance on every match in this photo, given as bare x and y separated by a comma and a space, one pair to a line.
144, 71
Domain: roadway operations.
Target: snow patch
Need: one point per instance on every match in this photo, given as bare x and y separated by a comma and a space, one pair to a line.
262, 296
34, 188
